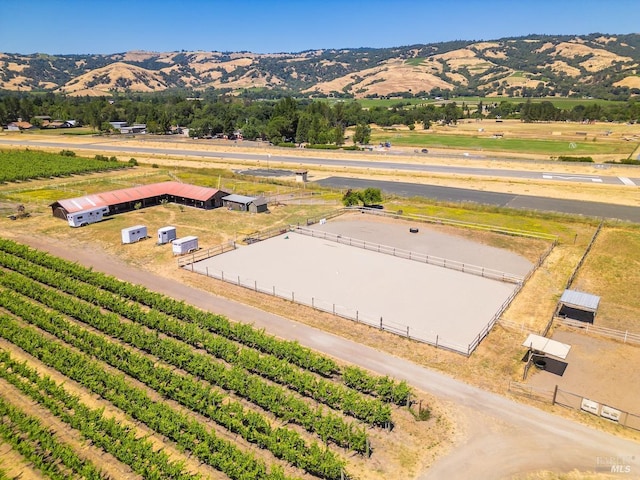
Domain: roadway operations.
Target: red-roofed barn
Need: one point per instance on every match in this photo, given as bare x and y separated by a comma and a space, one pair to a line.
126, 199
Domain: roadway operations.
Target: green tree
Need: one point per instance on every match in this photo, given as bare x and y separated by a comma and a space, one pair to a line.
350, 198
371, 196
362, 134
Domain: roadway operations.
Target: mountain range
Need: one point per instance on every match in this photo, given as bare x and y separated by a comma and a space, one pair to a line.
597, 65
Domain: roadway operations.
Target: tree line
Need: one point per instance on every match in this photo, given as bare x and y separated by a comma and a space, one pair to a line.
286, 120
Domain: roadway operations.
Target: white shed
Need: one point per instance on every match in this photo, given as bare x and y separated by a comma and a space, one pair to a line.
134, 234
185, 245
166, 234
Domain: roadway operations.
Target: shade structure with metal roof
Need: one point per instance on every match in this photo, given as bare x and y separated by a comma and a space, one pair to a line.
578, 306
126, 199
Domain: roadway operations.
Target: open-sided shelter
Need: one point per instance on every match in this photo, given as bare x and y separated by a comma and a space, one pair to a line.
578, 306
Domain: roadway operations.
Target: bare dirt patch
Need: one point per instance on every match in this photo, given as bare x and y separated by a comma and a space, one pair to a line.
591, 362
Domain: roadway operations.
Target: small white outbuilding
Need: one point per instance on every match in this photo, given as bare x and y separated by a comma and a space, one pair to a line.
166, 235
134, 234
185, 245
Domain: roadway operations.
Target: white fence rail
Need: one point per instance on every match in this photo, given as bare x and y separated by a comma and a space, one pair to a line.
409, 255
349, 313
621, 335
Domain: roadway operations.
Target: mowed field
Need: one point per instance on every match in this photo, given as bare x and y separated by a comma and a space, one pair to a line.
601, 141
495, 361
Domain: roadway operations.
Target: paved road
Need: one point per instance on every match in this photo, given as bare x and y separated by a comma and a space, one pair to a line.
374, 160
524, 202
502, 438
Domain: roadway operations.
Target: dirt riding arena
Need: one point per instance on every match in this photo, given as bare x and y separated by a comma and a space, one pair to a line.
429, 302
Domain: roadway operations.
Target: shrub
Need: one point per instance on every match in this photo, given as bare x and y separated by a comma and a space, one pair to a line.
323, 146
133, 161
563, 158
67, 153
625, 161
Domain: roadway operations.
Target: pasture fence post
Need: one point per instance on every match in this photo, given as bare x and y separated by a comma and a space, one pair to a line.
380, 323
436, 341
207, 270
312, 303
223, 275
238, 279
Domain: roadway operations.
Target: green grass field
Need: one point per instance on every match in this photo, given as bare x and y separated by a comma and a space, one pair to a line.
420, 139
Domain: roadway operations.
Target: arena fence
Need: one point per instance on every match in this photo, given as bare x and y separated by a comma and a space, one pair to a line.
203, 254
409, 255
623, 336
366, 317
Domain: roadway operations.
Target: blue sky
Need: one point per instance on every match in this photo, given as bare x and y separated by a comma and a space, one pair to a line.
97, 26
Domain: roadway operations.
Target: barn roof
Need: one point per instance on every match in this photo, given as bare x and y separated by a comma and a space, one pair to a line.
134, 194
235, 198
580, 300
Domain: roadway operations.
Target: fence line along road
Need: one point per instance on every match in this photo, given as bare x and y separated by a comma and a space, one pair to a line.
558, 396
409, 255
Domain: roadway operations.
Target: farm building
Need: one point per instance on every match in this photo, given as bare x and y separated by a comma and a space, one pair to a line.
578, 306
301, 176
127, 199
243, 203
259, 205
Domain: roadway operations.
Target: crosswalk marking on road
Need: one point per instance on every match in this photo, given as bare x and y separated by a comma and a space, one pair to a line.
627, 181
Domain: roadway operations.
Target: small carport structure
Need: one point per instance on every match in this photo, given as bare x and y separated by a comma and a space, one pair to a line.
578, 306
543, 345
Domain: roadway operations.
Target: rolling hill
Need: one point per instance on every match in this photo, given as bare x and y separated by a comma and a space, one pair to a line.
598, 65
